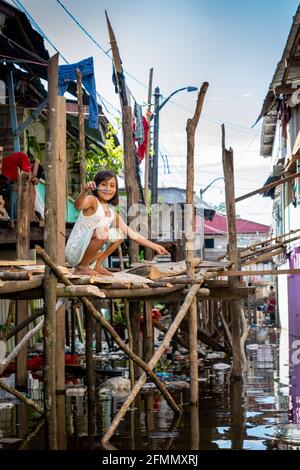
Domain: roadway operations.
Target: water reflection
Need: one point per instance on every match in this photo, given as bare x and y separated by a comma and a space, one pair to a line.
261, 413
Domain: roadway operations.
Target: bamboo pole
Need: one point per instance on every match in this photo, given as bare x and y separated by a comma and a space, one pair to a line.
191, 127
227, 159
152, 363
81, 129
110, 330
50, 243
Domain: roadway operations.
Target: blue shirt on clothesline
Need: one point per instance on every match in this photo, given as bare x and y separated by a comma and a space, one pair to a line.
67, 73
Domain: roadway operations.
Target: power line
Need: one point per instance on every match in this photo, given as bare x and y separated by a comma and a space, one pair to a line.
206, 117
39, 29
22, 8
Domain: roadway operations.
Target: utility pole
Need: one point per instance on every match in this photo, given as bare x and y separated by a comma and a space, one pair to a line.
154, 162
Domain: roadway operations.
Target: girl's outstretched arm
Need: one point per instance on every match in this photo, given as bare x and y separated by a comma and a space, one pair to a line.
127, 231
83, 201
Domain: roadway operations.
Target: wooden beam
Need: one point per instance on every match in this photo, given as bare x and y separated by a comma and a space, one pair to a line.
266, 272
14, 276
263, 257
267, 187
15, 263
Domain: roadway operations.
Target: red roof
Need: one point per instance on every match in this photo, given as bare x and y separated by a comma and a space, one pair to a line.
219, 226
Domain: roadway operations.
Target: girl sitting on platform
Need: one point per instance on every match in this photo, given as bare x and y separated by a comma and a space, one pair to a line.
99, 226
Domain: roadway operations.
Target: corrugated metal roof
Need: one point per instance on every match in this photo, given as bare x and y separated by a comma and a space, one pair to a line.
284, 74
219, 226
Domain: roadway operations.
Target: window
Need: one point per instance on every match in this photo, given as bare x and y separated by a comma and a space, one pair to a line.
209, 243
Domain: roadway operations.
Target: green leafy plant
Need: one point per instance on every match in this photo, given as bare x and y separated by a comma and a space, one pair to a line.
110, 157
33, 148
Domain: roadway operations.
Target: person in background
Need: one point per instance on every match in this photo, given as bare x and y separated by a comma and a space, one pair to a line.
10, 166
272, 304
15, 161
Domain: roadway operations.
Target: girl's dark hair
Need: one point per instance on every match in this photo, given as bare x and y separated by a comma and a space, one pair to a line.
104, 175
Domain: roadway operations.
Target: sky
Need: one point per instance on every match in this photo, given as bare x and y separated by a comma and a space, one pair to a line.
235, 45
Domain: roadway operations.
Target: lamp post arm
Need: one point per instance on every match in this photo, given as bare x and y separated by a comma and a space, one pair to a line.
170, 96
166, 100
202, 191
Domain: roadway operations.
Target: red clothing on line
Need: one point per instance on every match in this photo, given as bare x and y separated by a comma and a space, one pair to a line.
13, 162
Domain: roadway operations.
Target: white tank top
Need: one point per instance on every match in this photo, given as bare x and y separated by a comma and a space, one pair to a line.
83, 231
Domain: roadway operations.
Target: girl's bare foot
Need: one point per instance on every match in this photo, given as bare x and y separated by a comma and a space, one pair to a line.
102, 270
85, 270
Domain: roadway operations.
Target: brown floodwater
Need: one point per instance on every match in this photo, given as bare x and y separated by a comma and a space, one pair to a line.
261, 413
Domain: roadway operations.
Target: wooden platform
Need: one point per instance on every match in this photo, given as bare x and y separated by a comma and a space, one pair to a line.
24, 280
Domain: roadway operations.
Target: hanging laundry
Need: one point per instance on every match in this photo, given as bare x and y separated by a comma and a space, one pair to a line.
284, 116
141, 148
139, 128
67, 74
122, 86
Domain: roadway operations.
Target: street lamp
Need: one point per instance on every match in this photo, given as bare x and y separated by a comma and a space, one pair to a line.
202, 191
154, 161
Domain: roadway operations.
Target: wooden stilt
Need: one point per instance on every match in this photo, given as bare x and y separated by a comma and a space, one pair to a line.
60, 209
111, 330
189, 232
227, 157
23, 240
130, 341
148, 331
81, 128
132, 189
50, 242
151, 364
90, 372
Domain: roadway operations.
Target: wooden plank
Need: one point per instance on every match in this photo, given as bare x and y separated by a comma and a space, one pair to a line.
267, 187
161, 270
140, 293
16, 263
